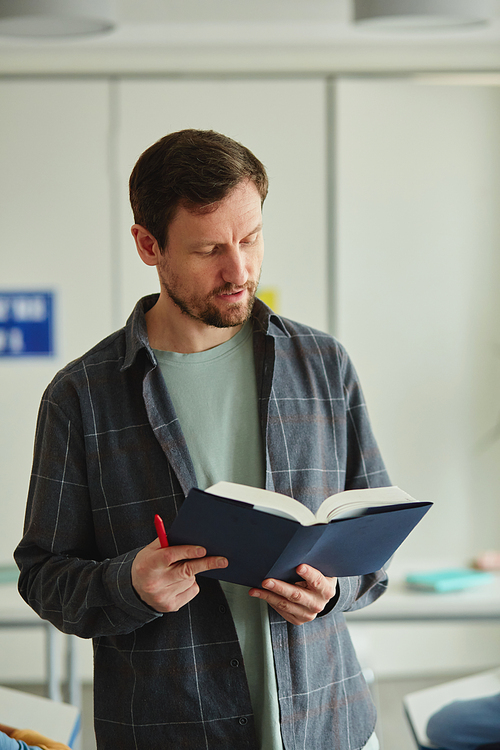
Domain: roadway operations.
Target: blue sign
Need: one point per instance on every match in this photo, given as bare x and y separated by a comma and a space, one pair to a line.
26, 324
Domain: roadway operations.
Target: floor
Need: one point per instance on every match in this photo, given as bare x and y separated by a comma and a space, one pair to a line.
392, 730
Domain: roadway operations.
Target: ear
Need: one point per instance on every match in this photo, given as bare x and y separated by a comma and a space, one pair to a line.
147, 246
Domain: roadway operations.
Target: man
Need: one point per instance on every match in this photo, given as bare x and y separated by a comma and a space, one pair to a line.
17, 739
204, 383
472, 724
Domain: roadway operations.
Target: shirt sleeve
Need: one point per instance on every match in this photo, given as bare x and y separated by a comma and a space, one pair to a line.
61, 577
364, 464
28, 738
364, 468
8, 743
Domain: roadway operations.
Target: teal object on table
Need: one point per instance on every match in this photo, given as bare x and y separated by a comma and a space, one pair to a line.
8, 574
447, 580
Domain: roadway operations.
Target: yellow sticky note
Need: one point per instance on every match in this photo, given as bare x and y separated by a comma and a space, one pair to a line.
270, 297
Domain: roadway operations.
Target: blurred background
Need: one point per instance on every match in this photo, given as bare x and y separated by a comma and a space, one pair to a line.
382, 143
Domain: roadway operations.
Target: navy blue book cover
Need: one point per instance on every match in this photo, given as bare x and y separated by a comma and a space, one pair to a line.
259, 545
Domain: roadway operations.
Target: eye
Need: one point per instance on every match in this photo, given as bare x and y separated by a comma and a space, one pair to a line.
251, 240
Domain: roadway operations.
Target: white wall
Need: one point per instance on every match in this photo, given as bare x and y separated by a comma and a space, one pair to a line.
417, 276
284, 123
54, 218
416, 271
66, 151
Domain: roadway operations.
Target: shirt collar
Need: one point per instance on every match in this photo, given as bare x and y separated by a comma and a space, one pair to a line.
268, 321
136, 333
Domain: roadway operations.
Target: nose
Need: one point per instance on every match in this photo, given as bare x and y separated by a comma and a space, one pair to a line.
234, 270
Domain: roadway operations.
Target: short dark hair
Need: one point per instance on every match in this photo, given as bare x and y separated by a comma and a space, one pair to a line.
190, 168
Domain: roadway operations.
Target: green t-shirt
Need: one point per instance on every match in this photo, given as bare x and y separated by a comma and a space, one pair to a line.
214, 394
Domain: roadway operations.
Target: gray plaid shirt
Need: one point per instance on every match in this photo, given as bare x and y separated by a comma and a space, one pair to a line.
109, 454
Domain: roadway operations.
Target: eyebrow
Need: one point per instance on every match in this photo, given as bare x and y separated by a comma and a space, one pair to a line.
204, 243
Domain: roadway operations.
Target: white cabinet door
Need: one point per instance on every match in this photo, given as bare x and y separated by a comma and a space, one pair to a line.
54, 218
283, 123
418, 272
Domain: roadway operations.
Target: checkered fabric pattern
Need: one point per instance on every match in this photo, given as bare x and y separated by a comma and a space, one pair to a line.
109, 454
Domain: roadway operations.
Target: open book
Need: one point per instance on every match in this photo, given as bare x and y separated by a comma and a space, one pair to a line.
345, 504
268, 535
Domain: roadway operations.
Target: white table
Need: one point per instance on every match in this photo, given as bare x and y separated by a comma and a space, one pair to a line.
400, 604
60, 650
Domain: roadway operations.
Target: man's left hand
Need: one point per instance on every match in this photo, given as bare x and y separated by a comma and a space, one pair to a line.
298, 602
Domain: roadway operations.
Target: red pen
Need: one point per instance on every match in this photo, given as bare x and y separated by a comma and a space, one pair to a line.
160, 530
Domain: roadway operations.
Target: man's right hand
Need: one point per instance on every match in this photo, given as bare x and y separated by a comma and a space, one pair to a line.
164, 577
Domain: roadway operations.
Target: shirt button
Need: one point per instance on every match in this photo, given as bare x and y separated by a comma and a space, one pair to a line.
243, 720
222, 609
235, 663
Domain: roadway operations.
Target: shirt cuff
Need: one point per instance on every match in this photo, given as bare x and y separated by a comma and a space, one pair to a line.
345, 596
119, 583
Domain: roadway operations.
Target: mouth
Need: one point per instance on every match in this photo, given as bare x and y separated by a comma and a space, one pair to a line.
236, 296
227, 294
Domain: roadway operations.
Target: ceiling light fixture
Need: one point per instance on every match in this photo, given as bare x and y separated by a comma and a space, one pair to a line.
55, 18
422, 14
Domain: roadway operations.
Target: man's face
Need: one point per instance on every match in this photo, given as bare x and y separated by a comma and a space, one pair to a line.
211, 265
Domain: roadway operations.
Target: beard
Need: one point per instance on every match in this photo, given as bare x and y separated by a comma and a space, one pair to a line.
205, 309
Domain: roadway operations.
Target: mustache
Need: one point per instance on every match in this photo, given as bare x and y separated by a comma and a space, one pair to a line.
233, 289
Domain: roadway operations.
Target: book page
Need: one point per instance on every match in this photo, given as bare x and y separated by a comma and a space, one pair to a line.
265, 501
347, 504
351, 503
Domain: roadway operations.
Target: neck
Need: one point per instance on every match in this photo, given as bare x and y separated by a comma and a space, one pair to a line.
171, 330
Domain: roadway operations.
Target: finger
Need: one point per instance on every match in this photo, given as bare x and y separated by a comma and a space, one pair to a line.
286, 590
173, 601
168, 587
304, 599
173, 554
191, 568
317, 582
291, 611
187, 559
182, 586
154, 566
291, 598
